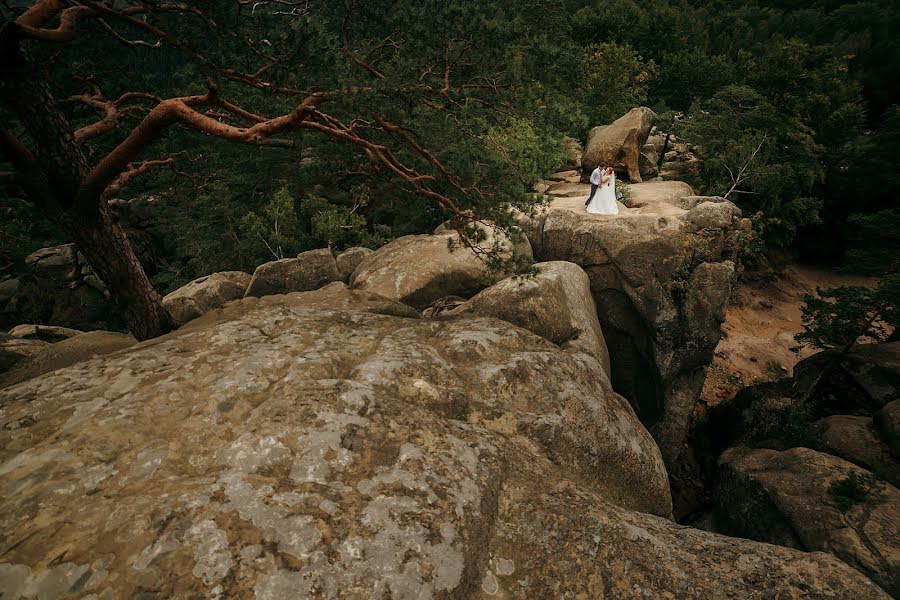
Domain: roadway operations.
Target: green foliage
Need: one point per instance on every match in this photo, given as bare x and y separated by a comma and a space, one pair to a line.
839, 317
779, 424
853, 489
616, 79
277, 228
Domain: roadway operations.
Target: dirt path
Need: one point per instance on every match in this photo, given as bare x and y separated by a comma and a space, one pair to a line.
758, 334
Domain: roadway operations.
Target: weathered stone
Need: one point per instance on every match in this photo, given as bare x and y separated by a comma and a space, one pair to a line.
783, 498
712, 215
573, 154
46, 333
855, 440
887, 421
14, 350
859, 382
689, 202
419, 269
553, 539
309, 271
661, 323
655, 193
275, 449
206, 293
556, 304
619, 143
349, 259
50, 357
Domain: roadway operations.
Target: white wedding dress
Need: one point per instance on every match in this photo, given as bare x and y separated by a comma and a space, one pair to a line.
604, 201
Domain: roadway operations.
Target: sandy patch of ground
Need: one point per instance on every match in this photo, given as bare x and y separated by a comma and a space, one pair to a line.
758, 334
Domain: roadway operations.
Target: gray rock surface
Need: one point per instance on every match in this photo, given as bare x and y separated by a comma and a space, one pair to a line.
46, 333
856, 440
49, 357
276, 449
784, 498
205, 293
419, 269
619, 144
556, 304
661, 293
309, 271
887, 421
349, 259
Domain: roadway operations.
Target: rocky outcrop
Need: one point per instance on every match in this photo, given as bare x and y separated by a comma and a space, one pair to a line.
619, 144
46, 333
349, 259
206, 293
419, 269
309, 271
59, 288
272, 448
788, 498
660, 287
887, 422
49, 357
857, 440
859, 382
555, 303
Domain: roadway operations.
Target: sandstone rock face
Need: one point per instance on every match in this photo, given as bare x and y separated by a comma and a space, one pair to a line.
309, 271
887, 420
712, 215
783, 498
349, 259
556, 304
619, 144
14, 350
660, 292
50, 357
855, 439
860, 382
203, 294
658, 195
46, 333
419, 269
275, 449
61, 289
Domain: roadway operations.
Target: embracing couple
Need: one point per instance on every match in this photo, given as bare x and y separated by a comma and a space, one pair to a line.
602, 200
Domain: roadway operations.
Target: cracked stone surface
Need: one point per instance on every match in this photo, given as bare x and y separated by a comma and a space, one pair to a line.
321, 445
661, 287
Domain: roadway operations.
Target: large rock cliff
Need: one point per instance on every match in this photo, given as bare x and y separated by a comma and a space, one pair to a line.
332, 444
661, 276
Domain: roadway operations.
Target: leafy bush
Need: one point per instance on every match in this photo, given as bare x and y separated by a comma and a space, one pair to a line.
852, 490
780, 424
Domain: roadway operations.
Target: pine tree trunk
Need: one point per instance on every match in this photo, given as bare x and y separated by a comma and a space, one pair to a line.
61, 169
107, 249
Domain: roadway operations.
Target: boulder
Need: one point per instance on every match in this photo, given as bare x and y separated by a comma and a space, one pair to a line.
45, 333
14, 350
571, 176
660, 320
574, 152
647, 166
619, 144
689, 202
855, 440
273, 448
203, 294
309, 271
419, 269
859, 382
556, 304
787, 498
61, 289
887, 422
712, 215
654, 193
349, 259
50, 357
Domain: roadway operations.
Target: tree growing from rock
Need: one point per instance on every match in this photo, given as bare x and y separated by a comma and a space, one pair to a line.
265, 74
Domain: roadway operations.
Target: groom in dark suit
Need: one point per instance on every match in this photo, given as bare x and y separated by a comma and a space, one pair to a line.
596, 180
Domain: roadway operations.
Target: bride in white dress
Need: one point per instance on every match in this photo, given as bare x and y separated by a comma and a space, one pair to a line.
604, 201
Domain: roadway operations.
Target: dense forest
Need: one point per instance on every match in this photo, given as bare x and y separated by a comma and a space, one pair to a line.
485, 94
